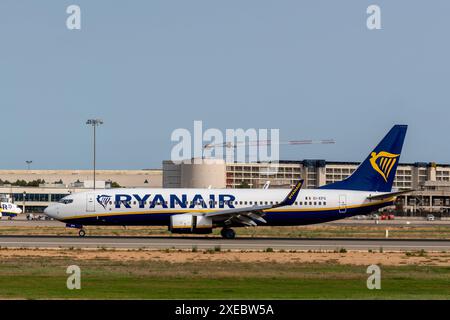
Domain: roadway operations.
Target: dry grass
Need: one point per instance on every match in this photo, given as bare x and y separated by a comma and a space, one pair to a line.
419, 258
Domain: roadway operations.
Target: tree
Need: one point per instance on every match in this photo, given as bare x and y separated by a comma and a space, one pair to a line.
243, 185
115, 185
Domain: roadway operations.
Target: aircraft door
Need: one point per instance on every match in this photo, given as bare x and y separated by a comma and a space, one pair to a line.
342, 203
90, 202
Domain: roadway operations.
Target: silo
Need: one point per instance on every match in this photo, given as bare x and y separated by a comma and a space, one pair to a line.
202, 173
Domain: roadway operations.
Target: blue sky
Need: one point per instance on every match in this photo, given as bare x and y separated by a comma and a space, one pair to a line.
310, 68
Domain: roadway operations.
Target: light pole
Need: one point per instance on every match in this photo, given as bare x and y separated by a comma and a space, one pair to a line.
94, 123
24, 195
29, 162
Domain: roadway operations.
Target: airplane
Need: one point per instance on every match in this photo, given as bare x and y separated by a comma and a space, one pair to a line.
199, 211
9, 210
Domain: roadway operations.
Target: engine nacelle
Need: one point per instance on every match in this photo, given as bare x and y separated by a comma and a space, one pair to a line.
188, 223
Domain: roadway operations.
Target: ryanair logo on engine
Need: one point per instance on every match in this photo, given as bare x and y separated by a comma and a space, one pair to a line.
168, 201
383, 162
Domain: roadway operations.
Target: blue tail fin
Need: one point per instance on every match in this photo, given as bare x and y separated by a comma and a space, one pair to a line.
377, 172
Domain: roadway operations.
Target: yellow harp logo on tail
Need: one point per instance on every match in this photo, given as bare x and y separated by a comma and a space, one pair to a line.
383, 162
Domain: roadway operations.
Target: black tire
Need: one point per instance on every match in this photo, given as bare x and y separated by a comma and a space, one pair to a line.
81, 233
228, 233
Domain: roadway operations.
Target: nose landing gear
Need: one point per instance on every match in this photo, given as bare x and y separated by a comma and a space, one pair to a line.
81, 231
228, 233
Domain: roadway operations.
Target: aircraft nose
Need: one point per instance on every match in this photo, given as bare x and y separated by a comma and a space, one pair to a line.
19, 211
50, 211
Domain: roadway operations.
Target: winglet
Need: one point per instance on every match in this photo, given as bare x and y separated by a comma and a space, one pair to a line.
292, 196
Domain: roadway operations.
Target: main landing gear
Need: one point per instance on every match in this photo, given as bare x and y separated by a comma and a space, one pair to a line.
228, 233
81, 233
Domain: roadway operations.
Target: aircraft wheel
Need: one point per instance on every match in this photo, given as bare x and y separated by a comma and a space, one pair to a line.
81, 233
228, 233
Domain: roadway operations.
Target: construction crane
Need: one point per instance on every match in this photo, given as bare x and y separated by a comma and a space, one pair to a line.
265, 143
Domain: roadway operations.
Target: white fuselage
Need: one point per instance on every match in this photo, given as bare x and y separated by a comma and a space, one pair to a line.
155, 206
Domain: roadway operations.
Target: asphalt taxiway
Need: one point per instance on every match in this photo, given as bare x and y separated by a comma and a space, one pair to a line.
21, 221
213, 242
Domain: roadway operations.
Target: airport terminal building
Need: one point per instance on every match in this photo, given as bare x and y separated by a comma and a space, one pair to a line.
34, 190
430, 180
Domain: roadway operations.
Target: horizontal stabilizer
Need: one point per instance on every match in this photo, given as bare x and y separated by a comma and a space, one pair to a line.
389, 195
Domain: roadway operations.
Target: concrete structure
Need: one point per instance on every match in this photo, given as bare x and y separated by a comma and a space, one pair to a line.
194, 175
431, 180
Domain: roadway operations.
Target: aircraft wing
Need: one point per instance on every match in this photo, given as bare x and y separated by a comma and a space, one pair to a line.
388, 195
248, 215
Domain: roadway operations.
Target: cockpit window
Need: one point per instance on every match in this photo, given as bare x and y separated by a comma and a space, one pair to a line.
66, 201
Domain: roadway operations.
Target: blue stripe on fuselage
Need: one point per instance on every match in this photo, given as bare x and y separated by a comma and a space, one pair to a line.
9, 214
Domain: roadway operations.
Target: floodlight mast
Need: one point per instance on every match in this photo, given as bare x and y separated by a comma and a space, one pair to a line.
94, 123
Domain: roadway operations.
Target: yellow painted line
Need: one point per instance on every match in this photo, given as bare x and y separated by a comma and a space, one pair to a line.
210, 210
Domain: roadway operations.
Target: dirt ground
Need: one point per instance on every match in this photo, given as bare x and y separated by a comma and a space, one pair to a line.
173, 256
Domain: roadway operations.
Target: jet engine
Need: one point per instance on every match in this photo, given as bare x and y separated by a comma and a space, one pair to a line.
188, 223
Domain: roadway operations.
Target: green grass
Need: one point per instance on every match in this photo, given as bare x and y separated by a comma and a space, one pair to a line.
39, 278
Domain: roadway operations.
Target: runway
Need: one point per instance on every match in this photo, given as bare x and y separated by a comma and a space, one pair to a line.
210, 242
20, 221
